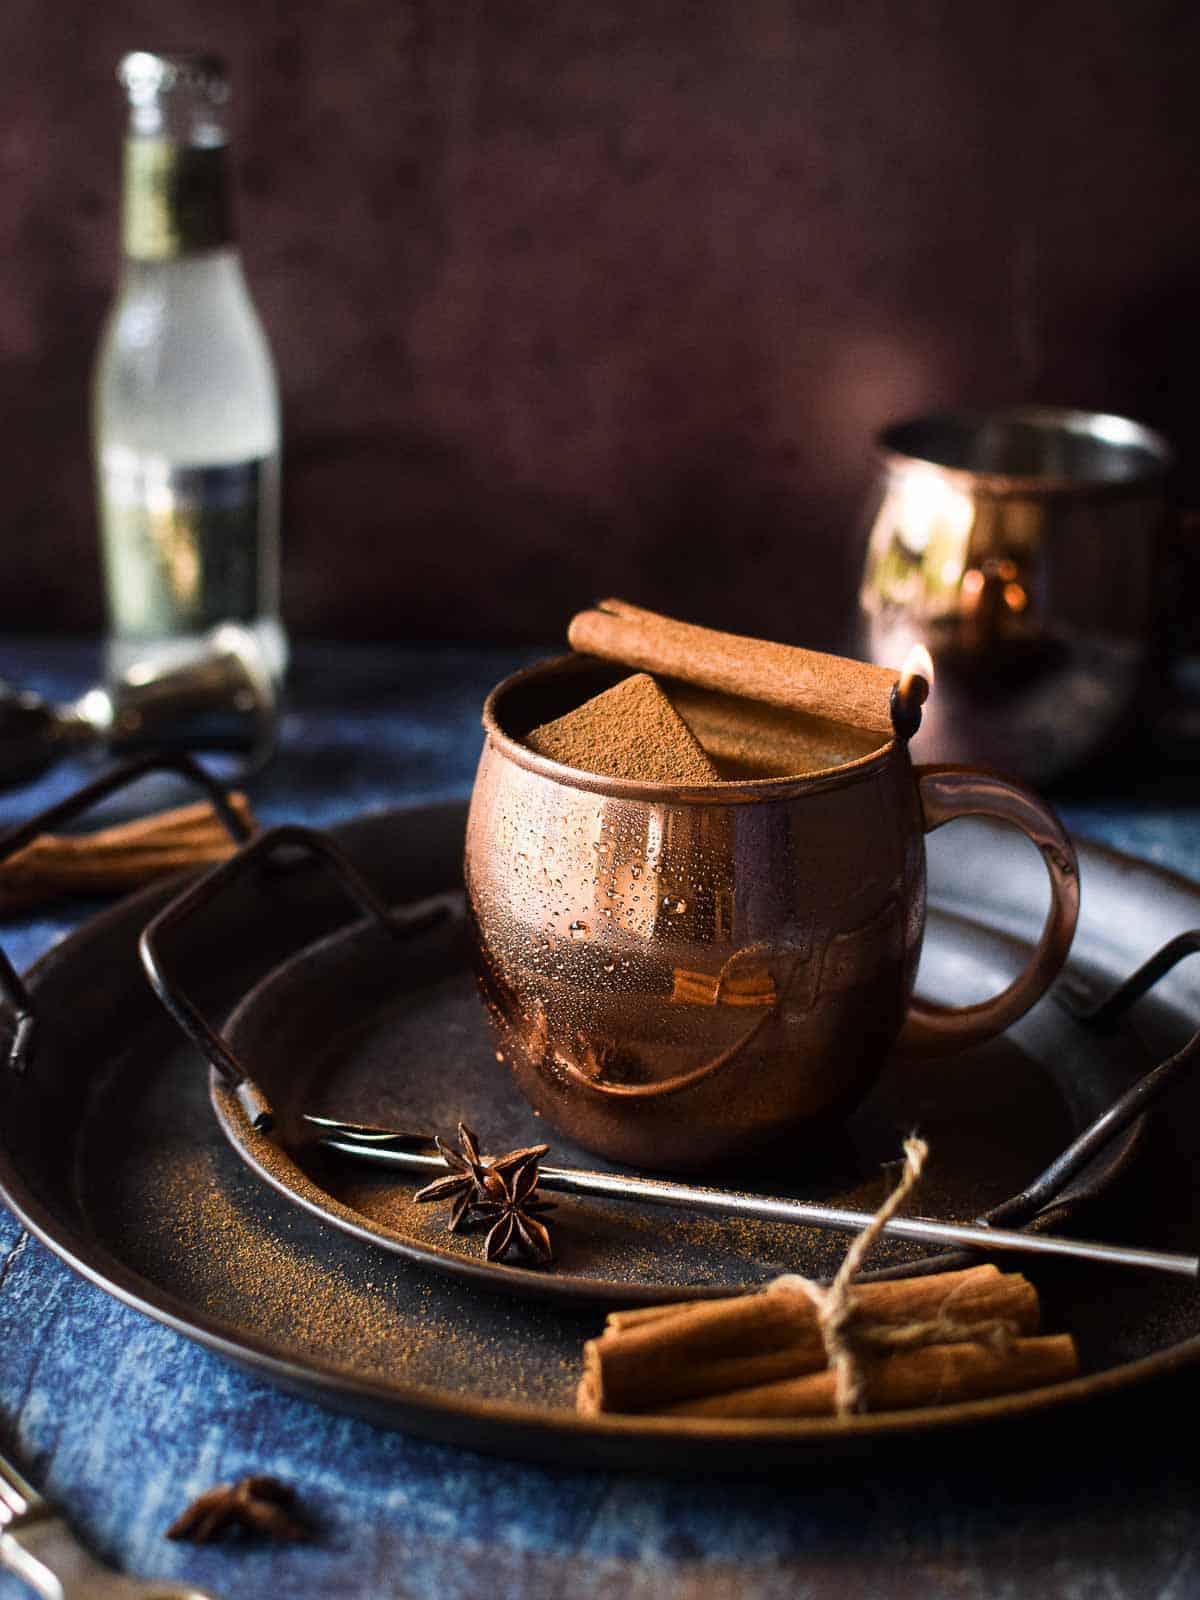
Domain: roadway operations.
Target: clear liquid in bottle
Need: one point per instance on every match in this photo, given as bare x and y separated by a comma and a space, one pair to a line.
185, 401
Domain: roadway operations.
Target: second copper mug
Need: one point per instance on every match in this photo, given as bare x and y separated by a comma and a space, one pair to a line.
1023, 548
678, 975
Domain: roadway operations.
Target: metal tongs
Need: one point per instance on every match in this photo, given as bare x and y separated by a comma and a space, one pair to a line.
417, 1153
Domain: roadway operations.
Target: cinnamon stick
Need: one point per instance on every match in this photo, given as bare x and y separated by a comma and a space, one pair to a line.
649, 1358
116, 859
827, 686
935, 1374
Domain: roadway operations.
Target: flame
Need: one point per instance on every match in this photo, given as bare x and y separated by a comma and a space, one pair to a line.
918, 663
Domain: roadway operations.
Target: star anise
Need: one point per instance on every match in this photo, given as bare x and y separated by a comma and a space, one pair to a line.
512, 1207
473, 1178
255, 1504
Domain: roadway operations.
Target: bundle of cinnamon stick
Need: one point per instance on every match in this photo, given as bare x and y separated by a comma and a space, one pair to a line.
764, 1355
117, 859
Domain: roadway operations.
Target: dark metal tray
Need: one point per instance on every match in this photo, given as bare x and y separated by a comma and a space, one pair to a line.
110, 1153
356, 1027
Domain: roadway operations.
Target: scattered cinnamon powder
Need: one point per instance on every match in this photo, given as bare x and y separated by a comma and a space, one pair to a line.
629, 731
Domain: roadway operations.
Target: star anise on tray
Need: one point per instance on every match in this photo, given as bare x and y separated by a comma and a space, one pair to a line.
512, 1207
500, 1189
256, 1504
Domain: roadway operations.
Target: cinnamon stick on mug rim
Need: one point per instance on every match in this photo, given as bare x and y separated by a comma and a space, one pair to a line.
811, 681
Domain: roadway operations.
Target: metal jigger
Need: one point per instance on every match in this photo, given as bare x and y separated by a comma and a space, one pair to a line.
218, 696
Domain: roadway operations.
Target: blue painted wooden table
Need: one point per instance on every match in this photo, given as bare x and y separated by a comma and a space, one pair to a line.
122, 1421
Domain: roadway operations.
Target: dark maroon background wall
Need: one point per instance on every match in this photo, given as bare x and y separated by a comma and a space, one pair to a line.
580, 297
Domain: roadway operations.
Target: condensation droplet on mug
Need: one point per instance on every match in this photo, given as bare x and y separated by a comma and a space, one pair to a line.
635, 870
673, 907
610, 966
579, 930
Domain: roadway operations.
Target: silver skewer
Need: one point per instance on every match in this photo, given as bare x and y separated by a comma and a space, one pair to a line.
418, 1154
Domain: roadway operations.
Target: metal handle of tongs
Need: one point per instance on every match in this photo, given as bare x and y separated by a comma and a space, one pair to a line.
37, 1544
18, 1499
1137, 1099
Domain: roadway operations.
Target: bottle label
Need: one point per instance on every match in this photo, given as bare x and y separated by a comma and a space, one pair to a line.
176, 199
186, 547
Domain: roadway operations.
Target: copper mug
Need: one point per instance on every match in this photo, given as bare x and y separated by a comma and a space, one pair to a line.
1023, 548
678, 975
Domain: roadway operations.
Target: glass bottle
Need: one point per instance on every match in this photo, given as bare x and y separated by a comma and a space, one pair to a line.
185, 417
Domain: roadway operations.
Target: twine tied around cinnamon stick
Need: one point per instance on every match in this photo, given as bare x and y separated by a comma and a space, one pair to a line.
847, 1332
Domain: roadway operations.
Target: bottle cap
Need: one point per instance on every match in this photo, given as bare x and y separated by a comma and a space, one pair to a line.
146, 74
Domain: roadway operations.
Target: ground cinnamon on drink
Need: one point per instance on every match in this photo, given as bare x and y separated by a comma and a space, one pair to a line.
630, 731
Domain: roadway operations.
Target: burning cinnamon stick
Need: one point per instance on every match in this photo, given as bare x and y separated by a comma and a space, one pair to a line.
810, 681
657, 1356
936, 1374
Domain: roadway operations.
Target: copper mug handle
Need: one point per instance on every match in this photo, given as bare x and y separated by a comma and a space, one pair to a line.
948, 793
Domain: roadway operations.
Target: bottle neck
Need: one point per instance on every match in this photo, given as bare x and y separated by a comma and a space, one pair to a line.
176, 199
